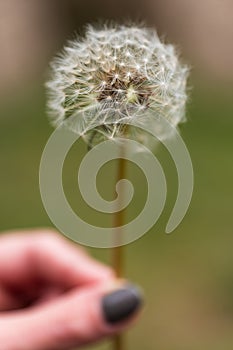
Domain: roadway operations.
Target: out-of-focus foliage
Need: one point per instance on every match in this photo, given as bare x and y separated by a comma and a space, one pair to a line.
187, 276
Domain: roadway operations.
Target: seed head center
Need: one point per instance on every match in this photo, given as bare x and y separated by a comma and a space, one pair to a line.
123, 87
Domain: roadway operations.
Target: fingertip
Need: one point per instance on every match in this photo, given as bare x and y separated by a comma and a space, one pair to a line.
104, 274
83, 316
121, 304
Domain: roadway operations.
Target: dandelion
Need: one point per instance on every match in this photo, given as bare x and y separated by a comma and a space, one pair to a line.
112, 76
102, 83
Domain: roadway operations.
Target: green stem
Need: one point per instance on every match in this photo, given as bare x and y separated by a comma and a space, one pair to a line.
117, 256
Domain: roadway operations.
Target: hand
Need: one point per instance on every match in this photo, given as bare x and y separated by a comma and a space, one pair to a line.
54, 296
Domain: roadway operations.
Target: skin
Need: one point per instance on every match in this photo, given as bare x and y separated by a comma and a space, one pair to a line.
50, 293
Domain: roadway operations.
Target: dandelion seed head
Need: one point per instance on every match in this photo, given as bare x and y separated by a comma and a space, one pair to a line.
115, 74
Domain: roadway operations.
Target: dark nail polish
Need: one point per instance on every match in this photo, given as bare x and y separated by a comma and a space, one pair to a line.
121, 303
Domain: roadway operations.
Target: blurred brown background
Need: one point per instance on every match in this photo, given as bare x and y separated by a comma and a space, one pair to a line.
32, 30
187, 276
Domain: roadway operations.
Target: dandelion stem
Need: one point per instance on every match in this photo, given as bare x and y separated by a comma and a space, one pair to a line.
118, 342
119, 217
118, 222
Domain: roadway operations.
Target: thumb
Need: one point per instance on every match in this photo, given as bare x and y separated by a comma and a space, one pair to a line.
74, 319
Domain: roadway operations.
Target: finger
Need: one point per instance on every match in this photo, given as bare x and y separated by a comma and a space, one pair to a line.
63, 262
73, 320
8, 300
48, 256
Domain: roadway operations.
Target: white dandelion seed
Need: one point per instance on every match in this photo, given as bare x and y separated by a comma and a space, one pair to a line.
113, 75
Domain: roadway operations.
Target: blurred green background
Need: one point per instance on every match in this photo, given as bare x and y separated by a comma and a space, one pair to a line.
187, 276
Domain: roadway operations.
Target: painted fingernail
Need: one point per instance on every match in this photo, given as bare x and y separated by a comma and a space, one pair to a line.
122, 303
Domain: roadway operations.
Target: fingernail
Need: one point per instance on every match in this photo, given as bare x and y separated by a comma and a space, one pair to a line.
122, 303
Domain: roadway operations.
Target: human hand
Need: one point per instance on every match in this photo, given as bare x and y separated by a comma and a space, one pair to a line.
53, 296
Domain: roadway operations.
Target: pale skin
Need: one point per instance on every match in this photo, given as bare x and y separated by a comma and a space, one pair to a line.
50, 293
